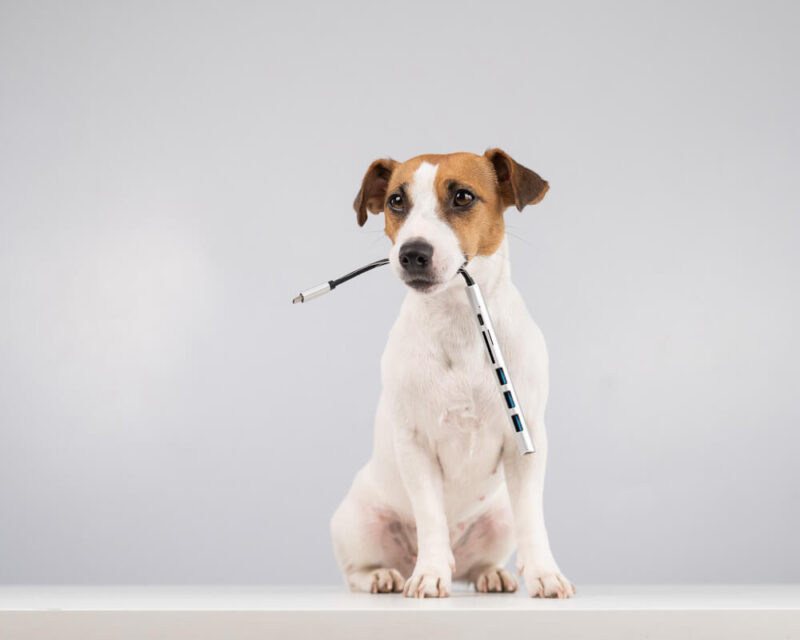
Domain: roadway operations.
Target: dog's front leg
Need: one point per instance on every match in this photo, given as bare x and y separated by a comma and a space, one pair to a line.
525, 481
422, 477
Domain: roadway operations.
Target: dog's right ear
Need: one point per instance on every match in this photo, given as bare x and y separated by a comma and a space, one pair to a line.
373, 189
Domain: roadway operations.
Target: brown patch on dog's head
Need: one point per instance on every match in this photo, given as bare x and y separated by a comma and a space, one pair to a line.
491, 183
479, 226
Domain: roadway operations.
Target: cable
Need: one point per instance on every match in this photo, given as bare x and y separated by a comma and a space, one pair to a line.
358, 272
467, 278
330, 285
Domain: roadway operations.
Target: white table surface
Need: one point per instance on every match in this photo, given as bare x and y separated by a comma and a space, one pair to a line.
200, 612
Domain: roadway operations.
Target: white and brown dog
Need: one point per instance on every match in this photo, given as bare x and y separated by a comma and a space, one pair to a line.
447, 494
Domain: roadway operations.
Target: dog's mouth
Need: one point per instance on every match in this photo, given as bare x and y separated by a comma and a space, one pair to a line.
421, 284
430, 284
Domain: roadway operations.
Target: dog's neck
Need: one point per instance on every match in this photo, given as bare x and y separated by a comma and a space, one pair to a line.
492, 273
449, 310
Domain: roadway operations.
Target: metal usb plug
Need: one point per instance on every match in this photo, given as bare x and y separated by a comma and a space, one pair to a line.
313, 292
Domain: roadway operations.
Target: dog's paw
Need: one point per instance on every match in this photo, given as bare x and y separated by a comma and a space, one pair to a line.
547, 584
494, 580
386, 581
427, 584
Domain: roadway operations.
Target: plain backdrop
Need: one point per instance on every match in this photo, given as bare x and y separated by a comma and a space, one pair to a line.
173, 173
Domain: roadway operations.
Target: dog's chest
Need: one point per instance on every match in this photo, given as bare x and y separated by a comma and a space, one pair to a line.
467, 430
443, 386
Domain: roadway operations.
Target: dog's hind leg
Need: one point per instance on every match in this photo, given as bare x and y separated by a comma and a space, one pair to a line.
375, 550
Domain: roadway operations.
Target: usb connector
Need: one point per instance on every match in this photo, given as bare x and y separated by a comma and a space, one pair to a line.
313, 292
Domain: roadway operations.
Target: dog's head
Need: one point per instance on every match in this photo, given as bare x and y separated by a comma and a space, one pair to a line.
443, 210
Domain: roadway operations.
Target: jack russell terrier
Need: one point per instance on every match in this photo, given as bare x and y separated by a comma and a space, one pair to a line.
447, 494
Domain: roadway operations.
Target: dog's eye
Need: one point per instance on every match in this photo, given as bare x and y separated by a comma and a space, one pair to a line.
463, 198
396, 202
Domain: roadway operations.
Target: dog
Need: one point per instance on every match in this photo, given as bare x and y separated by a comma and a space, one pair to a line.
446, 495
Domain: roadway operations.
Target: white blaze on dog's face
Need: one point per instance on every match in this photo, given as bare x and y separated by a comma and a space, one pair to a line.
425, 252
443, 210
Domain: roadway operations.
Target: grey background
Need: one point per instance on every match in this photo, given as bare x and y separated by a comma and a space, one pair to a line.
171, 174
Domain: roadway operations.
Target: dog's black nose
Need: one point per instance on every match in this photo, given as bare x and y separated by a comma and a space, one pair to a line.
415, 256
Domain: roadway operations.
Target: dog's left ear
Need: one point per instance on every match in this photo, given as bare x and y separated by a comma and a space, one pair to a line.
518, 185
373, 189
